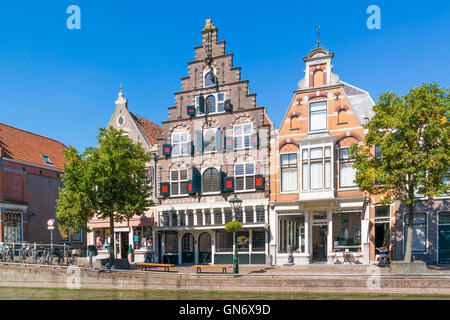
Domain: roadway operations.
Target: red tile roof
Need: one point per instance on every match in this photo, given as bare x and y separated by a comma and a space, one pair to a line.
152, 131
21, 145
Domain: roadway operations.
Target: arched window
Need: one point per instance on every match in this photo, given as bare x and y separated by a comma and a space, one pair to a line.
210, 104
209, 79
211, 180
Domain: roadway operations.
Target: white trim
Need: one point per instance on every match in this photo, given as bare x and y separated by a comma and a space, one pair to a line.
32, 164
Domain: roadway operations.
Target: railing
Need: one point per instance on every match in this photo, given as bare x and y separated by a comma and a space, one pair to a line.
38, 253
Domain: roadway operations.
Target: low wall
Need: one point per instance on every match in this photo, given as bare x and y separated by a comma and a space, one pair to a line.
77, 278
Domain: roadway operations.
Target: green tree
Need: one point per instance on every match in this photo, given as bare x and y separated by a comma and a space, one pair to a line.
107, 182
406, 149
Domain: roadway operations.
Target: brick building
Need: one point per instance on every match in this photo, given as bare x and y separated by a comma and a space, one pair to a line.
316, 209
30, 174
214, 144
138, 231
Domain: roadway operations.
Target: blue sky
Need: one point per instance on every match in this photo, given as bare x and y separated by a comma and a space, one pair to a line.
63, 83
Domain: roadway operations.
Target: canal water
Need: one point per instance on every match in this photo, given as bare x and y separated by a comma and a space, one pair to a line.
8, 293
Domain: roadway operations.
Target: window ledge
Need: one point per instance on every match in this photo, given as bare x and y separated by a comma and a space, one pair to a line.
345, 122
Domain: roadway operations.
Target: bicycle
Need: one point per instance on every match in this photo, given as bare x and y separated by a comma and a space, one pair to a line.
6, 252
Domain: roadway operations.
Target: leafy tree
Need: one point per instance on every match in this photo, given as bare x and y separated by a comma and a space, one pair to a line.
412, 134
107, 182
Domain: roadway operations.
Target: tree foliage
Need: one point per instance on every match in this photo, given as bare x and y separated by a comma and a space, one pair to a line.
107, 182
412, 132
233, 226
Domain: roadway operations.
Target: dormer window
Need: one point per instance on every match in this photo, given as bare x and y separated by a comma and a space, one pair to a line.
47, 160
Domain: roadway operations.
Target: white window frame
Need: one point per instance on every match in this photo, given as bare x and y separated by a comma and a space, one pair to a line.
203, 170
348, 160
245, 175
179, 181
281, 173
180, 144
405, 227
243, 135
205, 96
326, 116
325, 159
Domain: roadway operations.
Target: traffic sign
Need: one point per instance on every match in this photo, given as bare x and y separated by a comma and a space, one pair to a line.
50, 224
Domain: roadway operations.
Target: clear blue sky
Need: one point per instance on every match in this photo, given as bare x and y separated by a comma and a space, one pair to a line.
63, 83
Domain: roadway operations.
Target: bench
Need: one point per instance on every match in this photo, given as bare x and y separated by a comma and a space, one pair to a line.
145, 265
200, 266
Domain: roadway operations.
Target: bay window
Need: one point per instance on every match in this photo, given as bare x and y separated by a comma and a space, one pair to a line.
347, 173
288, 172
316, 168
318, 116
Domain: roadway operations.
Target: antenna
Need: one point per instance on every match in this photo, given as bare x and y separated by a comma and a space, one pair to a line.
318, 35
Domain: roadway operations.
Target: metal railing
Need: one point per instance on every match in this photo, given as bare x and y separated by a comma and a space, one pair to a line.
39, 253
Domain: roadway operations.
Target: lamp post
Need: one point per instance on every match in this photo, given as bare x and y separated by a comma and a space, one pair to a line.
235, 203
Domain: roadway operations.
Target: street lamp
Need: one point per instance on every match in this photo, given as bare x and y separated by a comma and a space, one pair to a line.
235, 203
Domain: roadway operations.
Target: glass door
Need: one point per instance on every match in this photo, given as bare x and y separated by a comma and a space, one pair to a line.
444, 237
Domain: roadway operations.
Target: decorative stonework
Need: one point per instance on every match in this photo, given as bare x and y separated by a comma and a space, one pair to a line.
289, 148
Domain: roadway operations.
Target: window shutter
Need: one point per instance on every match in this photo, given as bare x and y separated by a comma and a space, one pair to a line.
254, 140
166, 149
196, 180
190, 187
228, 184
259, 182
228, 106
218, 140
190, 110
201, 104
216, 180
228, 143
164, 189
191, 148
198, 142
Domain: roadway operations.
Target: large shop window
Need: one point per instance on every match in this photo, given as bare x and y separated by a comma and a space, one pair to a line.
419, 244
12, 226
102, 238
211, 103
242, 134
211, 180
244, 175
258, 240
142, 238
289, 172
347, 173
171, 242
178, 182
318, 116
316, 168
224, 241
180, 143
347, 230
244, 237
291, 234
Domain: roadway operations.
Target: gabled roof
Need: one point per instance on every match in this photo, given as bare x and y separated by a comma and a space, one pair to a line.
151, 131
21, 145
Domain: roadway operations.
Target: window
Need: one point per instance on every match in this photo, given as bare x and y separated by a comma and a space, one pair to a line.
142, 237
242, 135
217, 216
260, 214
47, 160
318, 116
382, 212
207, 217
102, 238
347, 173
76, 237
180, 143
249, 217
12, 227
243, 246
190, 217
228, 215
211, 180
291, 234
347, 230
244, 176
211, 103
224, 241
289, 172
258, 240
316, 168
419, 244
171, 243
209, 140
178, 182
182, 217
210, 79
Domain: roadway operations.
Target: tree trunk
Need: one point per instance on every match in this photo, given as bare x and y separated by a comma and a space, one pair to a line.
112, 248
409, 239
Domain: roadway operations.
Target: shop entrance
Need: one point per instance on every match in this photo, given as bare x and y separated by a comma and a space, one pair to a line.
204, 247
319, 241
121, 243
444, 237
187, 243
382, 234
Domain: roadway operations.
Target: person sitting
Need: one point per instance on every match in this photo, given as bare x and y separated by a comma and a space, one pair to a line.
383, 255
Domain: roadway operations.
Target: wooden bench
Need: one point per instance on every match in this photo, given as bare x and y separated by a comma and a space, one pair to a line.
200, 266
145, 265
